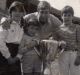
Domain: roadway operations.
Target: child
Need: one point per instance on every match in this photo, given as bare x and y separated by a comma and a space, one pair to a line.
16, 12
31, 63
69, 33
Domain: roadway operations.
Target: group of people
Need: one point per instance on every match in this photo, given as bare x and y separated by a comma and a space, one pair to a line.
25, 41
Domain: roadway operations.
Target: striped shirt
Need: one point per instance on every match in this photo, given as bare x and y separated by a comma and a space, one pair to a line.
70, 35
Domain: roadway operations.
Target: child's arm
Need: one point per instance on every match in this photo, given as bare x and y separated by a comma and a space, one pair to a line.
22, 48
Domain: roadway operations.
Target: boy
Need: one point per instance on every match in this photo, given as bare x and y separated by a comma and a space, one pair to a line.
31, 63
70, 34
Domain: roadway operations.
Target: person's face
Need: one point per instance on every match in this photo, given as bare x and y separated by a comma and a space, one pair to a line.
32, 30
43, 15
17, 15
67, 17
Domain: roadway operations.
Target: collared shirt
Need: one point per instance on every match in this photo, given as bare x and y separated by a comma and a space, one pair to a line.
15, 33
49, 28
3, 48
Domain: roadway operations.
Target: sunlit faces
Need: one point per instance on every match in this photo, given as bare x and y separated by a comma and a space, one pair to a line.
43, 15
67, 17
17, 15
32, 30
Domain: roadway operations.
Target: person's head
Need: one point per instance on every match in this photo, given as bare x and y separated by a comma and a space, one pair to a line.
16, 10
31, 27
67, 14
43, 11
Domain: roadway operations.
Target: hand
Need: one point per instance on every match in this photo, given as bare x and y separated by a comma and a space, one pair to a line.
37, 41
16, 59
6, 20
32, 43
11, 60
62, 44
77, 61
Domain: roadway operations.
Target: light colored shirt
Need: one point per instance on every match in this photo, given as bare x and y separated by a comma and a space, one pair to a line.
3, 48
15, 33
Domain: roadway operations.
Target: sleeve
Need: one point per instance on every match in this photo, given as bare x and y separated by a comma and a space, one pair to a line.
22, 46
55, 20
4, 50
55, 23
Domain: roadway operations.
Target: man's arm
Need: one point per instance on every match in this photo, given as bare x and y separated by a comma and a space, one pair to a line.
55, 20
55, 25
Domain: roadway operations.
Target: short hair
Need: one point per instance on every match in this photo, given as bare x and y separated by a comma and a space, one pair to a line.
30, 22
67, 9
43, 5
17, 4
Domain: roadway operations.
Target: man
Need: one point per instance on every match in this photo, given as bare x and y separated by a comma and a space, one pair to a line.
70, 34
48, 23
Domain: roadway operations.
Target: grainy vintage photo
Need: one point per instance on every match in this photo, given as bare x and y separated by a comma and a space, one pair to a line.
39, 37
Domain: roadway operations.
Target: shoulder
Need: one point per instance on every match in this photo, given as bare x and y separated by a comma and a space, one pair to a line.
55, 20
54, 17
29, 16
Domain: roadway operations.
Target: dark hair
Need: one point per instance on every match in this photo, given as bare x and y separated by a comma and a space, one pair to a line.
31, 22
16, 4
67, 9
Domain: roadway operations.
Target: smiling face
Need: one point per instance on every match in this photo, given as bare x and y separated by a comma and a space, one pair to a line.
43, 15
16, 11
67, 18
32, 30
17, 15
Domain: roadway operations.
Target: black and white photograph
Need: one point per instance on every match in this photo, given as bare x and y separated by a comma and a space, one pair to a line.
39, 37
